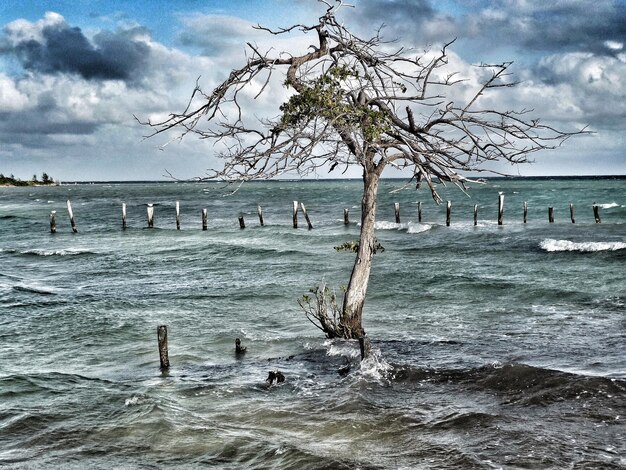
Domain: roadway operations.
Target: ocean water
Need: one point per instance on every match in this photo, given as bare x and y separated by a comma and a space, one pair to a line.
493, 346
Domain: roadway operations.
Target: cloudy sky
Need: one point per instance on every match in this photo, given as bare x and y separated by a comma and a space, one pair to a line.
74, 73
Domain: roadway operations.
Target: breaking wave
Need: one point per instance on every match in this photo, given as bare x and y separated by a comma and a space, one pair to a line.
552, 245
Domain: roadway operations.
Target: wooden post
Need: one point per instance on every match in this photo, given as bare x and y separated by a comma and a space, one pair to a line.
525, 211
596, 213
123, 216
163, 353
177, 215
419, 211
306, 216
551, 215
365, 346
397, 211
69, 210
205, 219
571, 213
295, 214
448, 210
242, 223
150, 216
500, 208
260, 212
53, 222
475, 214
346, 217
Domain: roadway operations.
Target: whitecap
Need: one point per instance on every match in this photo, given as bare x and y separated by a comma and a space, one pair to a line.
608, 206
552, 245
386, 225
418, 228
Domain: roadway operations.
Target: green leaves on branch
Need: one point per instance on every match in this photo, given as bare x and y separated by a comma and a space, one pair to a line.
322, 310
329, 97
353, 246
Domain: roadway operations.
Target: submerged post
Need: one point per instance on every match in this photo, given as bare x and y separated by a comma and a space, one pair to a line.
306, 216
551, 215
177, 215
295, 214
71, 213
596, 213
205, 219
346, 216
365, 346
163, 353
419, 211
525, 211
475, 214
53, 222
242, 223
150, 216
500, 208
571, 213
123, 216
397, 211
260, 212
448, 210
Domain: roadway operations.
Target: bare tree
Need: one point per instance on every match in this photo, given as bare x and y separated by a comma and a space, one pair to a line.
363, 102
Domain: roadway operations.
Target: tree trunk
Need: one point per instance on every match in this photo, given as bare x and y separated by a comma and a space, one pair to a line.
354, 298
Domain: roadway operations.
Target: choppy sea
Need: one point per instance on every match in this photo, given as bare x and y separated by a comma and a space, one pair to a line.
493, 346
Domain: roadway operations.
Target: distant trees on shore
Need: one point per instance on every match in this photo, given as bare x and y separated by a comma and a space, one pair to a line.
45, 180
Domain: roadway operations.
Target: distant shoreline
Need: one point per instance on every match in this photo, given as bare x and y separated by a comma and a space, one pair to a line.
192, 181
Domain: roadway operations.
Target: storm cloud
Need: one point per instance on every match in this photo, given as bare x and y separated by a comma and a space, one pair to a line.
52, 46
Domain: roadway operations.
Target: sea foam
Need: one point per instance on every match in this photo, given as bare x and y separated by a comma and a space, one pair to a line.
552, 245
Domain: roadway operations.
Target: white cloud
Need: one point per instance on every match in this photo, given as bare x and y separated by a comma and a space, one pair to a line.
11, 99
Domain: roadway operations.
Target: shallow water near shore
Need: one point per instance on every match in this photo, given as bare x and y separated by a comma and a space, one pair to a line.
493, 346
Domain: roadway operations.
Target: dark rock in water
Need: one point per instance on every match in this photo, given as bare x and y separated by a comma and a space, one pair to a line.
275, 375
239, 349
345, 370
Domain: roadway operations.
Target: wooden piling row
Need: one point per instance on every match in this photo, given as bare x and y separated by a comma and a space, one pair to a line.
297, 206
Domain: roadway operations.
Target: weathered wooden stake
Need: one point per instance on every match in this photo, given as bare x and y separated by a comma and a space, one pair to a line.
448, 210
53, 222
419, 211
525, 211
260, 212
177, 215
150, 216
551, 215
500, 208
346, 216
163, 354
397, 211
205, 219
365, 346
475, 214
571, 213
306, 216
69, 210
242, 223
295, 214
596, 213
123, 216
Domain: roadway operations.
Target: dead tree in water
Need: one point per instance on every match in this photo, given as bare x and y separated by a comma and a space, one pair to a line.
351, 101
